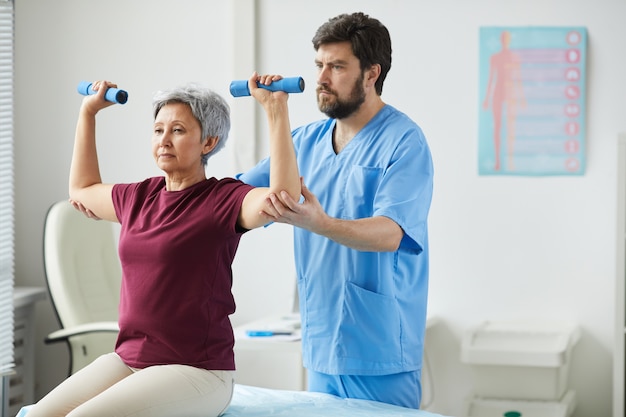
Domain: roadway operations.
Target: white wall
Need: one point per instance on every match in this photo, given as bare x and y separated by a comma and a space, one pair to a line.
501, 247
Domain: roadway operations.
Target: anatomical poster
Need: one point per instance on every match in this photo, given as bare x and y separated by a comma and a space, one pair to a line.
532, 95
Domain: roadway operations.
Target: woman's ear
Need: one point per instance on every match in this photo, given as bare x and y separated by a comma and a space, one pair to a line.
211, 143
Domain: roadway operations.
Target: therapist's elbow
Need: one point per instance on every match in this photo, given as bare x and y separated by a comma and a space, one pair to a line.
392, 237
391, 245
389, 242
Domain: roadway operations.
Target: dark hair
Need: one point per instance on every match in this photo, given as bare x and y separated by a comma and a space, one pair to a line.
369, 38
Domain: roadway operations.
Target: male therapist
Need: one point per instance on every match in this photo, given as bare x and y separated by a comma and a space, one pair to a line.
361, 241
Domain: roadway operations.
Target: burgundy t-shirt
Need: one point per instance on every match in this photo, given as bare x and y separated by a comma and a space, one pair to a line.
176, 250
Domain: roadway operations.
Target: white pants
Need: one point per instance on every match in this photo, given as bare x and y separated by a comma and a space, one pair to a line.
109, 388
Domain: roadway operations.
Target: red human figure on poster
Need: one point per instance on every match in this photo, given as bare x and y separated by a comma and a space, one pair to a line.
505, 90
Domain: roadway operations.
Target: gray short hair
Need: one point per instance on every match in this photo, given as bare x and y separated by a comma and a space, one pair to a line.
208, 107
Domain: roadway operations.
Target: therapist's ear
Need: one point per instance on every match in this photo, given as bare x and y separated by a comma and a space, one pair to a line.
372, 74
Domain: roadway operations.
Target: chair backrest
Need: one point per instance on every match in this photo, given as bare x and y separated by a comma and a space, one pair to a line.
82, 267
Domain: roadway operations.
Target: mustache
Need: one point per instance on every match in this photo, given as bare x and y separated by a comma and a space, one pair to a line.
321, 88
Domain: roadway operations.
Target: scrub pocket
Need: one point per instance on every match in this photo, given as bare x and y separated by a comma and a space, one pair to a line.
370, 328
360, 191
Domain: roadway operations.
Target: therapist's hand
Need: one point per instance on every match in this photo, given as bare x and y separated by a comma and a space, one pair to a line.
307, 215
369, 234
80, 207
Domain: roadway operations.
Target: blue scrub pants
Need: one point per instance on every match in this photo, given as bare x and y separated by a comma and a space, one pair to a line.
403, 389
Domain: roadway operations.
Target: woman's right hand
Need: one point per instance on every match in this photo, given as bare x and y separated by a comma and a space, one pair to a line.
262, 95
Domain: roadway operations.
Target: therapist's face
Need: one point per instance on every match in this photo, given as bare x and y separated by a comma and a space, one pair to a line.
340, 90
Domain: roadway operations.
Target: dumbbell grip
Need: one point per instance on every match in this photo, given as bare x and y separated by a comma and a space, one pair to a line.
239, 88
114, 95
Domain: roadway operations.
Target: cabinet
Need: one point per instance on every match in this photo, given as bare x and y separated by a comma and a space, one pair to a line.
21, 383
619, 357
270, 361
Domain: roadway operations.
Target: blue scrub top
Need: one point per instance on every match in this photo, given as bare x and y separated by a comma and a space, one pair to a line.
363, 313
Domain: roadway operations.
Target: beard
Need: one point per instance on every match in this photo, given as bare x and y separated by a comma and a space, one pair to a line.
341, 109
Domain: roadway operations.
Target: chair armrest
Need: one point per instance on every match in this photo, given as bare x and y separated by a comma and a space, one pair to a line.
95, 327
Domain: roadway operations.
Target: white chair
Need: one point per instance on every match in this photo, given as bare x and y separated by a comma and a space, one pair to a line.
83, 275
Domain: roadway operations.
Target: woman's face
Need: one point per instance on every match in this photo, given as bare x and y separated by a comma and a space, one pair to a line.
177, 143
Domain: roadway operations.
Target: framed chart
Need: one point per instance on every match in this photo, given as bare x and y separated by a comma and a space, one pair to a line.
532, 94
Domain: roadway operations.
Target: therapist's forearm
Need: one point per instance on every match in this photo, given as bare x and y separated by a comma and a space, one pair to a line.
374, 234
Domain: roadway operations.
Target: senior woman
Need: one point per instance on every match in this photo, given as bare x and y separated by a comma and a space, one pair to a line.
179, 234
